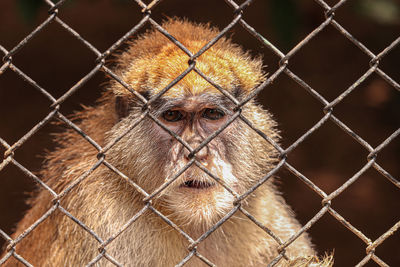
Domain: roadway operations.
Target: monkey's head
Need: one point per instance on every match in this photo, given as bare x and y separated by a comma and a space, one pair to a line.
193, 109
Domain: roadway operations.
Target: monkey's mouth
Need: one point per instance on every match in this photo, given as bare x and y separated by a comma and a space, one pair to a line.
199, 185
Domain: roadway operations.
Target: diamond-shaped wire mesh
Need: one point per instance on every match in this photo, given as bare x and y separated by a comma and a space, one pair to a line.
284, 69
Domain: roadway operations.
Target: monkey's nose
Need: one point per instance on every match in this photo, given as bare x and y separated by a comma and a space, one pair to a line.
200, 155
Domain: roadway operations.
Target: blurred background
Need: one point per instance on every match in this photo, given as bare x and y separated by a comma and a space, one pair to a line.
329, 63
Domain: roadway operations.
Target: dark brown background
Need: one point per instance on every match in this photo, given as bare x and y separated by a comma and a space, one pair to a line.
329, 63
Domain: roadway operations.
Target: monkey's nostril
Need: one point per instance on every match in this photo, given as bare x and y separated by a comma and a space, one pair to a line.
200, 155
189, 155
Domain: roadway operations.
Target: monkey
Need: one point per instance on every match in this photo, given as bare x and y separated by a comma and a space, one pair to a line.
200, 189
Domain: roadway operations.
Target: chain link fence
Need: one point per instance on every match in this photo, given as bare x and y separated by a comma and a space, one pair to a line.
284, 69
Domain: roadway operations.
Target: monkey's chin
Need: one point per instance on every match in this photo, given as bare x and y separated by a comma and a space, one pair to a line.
197, 207
196, 202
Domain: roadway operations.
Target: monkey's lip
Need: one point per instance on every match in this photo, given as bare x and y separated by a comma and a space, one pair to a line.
197, 185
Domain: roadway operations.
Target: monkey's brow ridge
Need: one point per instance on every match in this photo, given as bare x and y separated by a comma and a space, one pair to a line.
165, 103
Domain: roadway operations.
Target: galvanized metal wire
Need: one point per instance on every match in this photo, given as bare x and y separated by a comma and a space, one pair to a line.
328, 108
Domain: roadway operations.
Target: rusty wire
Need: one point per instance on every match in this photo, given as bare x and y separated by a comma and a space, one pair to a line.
284, 69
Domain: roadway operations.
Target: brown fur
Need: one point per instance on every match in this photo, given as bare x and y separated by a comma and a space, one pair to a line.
104, 202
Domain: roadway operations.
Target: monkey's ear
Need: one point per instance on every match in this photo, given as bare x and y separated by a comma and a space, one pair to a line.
121, 107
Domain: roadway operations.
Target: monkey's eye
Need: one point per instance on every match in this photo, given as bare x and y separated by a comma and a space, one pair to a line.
172, 115
213, 114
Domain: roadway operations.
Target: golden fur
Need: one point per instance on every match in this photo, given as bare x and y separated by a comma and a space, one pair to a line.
105, 203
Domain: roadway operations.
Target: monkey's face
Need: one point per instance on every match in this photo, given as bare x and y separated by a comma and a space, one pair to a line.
202, 174
196, 197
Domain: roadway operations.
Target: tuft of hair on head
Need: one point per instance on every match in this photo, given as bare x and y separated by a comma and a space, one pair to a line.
312, 261
153, 61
